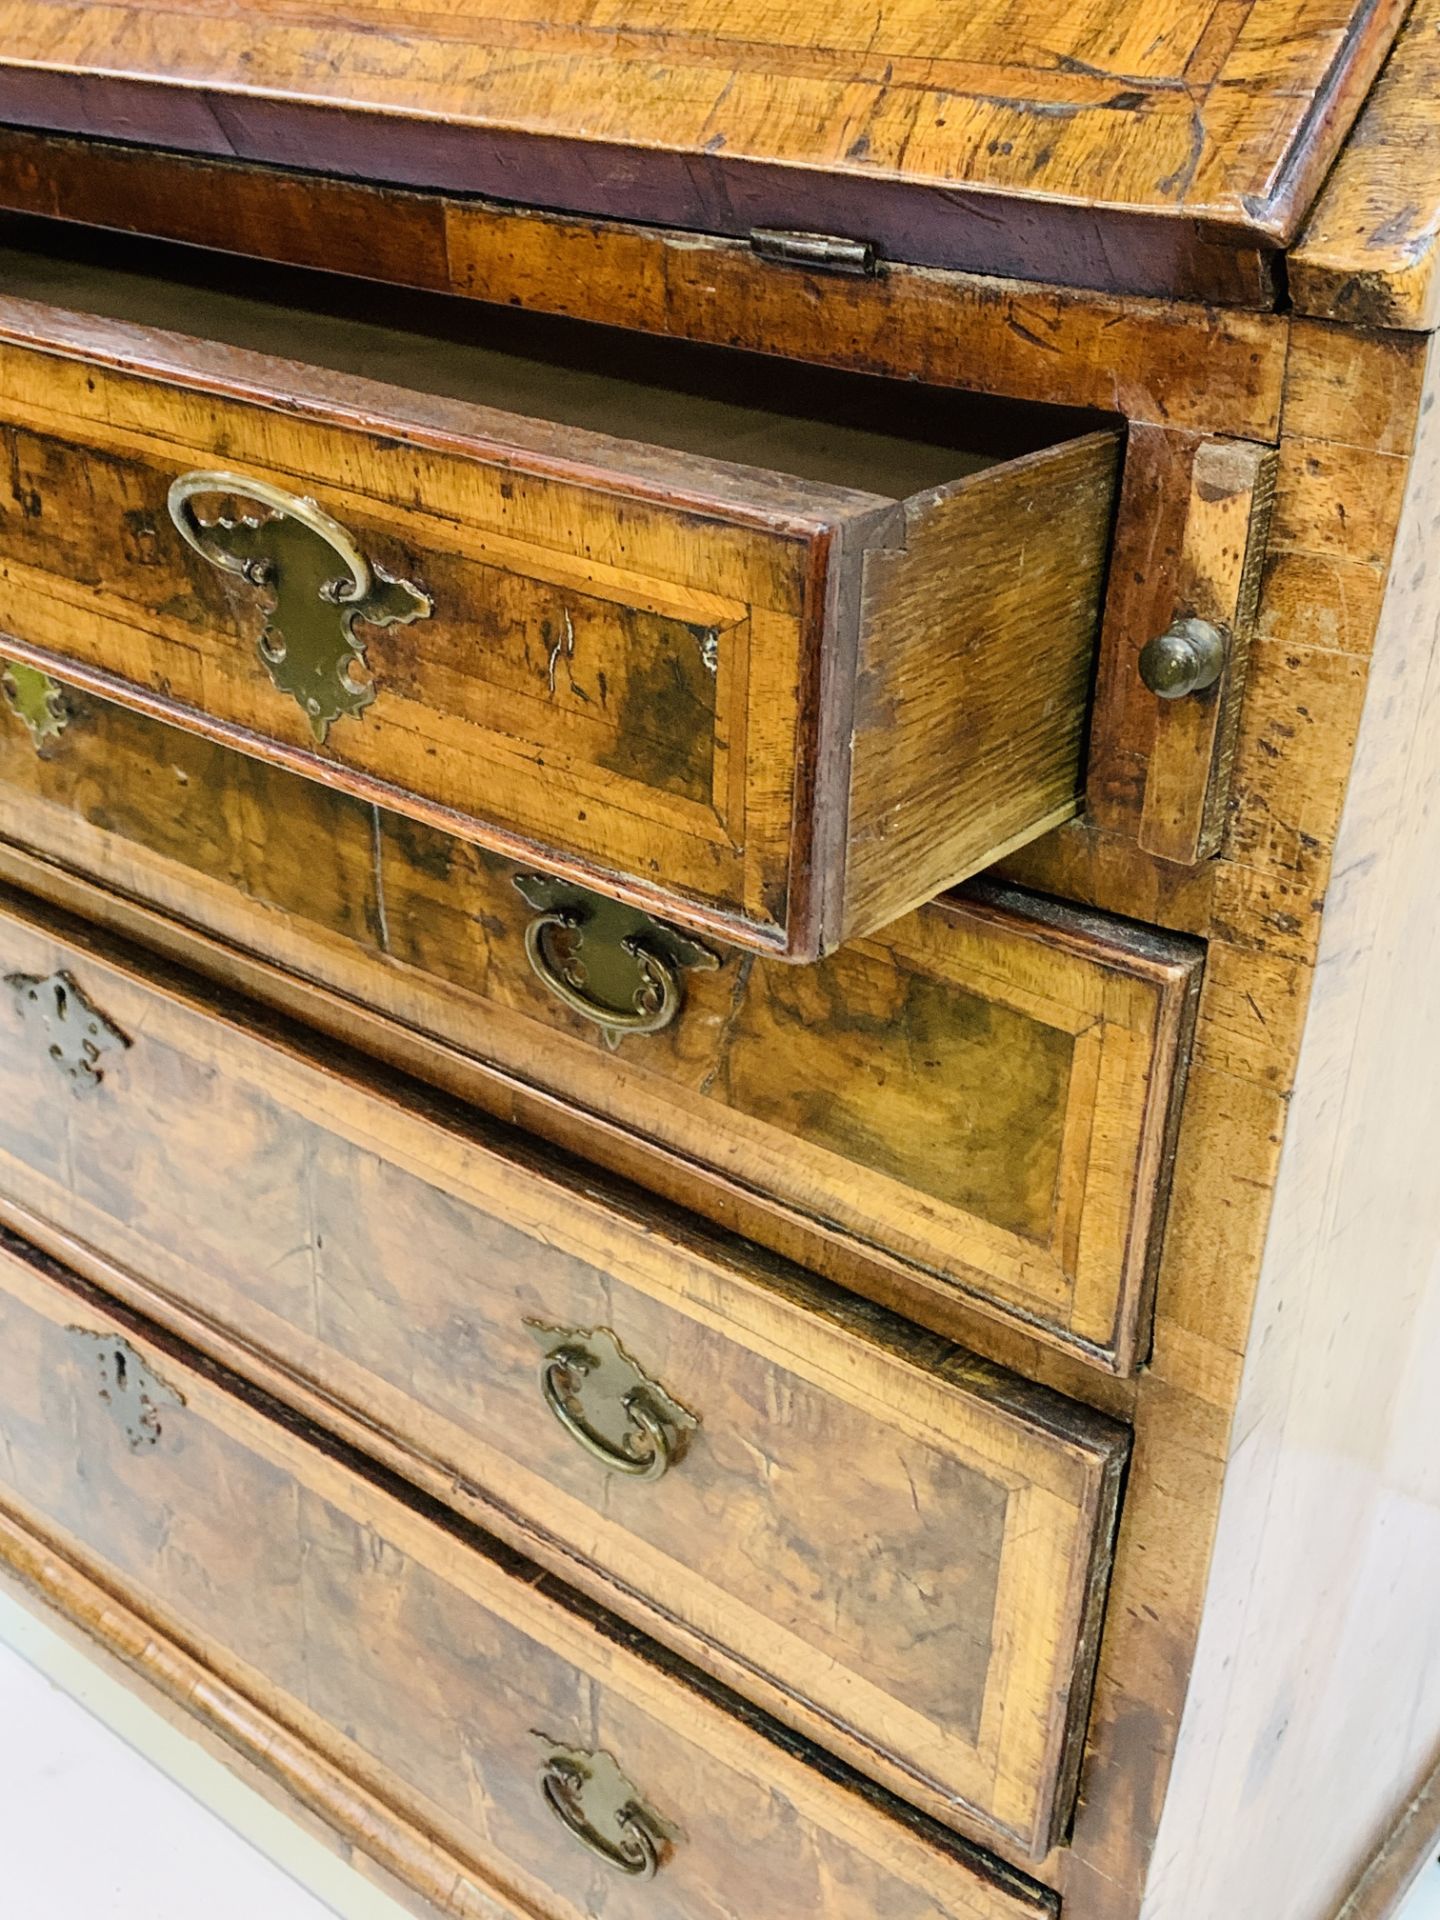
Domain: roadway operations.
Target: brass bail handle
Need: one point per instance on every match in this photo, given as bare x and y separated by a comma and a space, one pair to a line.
317, 582
612, 964
208, 542
608, 1404
636, 1851
653, 1459
658, 992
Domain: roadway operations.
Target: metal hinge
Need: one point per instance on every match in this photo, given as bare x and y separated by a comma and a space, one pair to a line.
826, 252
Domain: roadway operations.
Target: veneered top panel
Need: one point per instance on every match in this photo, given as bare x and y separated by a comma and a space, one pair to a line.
1162, 147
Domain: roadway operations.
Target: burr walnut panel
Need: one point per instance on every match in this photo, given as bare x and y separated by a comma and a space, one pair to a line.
897, 1546
980, 1099
786, 702
432, 1666
1159, 150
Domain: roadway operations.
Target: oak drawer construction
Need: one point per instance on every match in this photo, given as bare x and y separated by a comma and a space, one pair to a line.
544, 1752
976, 1104
893, 1543
786, 704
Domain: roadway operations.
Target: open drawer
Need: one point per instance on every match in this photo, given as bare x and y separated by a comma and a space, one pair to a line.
787, 700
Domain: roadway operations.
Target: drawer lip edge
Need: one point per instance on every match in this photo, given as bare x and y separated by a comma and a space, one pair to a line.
476, 432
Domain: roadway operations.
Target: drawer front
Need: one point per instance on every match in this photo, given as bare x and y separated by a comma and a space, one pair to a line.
776, 708
700, 1433
976, 1104
557, 1757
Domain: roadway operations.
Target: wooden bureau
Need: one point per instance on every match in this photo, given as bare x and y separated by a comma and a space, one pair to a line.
717, 833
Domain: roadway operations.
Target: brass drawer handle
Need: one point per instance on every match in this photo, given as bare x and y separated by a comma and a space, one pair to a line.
610, 963
588, 1794
39, 703
320, 584
657, 997
603, 1400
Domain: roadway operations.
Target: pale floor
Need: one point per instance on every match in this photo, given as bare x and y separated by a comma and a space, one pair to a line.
150, 1851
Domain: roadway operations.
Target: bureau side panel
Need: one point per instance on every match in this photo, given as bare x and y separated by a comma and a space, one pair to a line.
1314, 1706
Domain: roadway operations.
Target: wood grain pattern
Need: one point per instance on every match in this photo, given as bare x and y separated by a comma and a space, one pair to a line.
640, 660
981, 1098
1329, 1542
281, 1199
1351, 411
275, 1561
1370, 252
1157, 160
1172, 362
942, 679
1354, 402
1161, 769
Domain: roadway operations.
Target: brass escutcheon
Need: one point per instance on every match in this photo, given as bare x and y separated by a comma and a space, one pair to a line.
73, 1032
37, 701
607, 1404
611, 964
320, 584
596, 1805
134, 1394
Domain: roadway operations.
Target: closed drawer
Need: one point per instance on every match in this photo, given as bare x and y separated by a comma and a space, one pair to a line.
894, 1545
975, 1105
786, 702
551, 1755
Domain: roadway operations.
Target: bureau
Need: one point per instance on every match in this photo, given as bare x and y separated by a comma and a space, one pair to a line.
717, 820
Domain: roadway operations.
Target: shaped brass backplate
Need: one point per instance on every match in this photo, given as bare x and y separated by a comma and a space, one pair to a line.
611, 964
596, 1804
135, 1396
73, 1033
36, 700
608, 1404
320, 586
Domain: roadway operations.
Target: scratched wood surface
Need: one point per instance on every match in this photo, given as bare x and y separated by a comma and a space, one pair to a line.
639, 658
284, 1200
1353, 407
1162, 361
1370, 251
1351, 402
432, 1665
1328, 1553
1157, 154
1159, 769
982, 1098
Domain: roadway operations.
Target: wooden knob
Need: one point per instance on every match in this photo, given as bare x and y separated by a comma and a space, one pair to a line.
1186, 658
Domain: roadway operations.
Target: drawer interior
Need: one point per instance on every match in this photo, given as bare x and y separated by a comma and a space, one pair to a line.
879, 436
525, 588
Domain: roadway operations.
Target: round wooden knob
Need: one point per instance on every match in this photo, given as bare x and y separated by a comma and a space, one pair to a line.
1186, 658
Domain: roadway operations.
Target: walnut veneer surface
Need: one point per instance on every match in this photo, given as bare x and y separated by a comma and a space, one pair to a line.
1036, 1293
